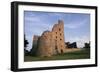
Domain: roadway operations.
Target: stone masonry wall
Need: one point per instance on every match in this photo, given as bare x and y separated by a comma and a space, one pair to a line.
52, 42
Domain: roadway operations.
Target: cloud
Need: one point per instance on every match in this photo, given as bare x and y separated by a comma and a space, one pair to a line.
32, 19
56, 15
75, 24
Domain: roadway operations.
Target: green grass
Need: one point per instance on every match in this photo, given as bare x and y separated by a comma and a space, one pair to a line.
83, 54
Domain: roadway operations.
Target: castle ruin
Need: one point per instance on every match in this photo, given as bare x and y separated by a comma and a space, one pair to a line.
50, 42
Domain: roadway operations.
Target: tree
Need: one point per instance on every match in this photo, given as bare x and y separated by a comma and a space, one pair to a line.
26, 52
87, 45
25, 42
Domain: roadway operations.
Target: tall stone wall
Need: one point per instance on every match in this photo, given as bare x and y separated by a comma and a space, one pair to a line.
45, 47
58, 37
51, 42
34, 44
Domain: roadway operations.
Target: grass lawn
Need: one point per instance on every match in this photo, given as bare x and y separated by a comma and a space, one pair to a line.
82, 54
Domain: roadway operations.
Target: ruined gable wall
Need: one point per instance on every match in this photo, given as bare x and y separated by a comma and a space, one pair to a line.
34, 44
58, 37
45, 44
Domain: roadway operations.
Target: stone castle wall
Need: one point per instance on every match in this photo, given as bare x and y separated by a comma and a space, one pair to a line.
45, 47
58, 37
51, 42
34, 44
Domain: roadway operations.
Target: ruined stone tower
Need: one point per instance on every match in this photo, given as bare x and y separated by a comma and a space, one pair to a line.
58, 37
51, 42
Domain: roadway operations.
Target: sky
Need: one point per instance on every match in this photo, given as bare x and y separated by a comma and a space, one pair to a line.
76, 25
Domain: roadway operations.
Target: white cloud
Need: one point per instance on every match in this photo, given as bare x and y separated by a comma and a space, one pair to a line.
32, 19
73, 25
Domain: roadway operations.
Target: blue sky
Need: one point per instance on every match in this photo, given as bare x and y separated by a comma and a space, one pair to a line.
76, 25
